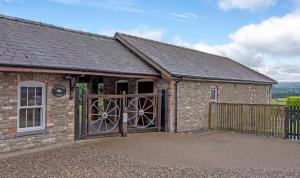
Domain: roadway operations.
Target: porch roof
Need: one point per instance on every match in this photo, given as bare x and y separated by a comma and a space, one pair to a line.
25, 43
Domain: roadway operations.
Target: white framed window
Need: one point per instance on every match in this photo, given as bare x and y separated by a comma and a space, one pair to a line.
268, 95
31, 106
213, 93
251, 93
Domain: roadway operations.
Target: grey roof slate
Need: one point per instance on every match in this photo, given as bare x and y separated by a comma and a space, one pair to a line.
185, 62
34, 44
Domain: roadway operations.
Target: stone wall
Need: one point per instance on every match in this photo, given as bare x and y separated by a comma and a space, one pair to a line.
194, 98
59, 113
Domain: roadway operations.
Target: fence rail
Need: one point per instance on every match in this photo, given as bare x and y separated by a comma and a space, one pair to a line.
257, 119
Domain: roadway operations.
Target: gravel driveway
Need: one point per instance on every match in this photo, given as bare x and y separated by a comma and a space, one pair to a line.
211, 154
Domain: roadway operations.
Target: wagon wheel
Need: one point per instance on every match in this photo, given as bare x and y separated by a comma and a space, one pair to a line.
106, 117
141, 112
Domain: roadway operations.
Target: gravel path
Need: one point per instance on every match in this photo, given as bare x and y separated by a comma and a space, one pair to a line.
86, 160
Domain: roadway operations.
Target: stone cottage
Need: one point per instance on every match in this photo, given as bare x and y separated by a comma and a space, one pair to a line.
41, 65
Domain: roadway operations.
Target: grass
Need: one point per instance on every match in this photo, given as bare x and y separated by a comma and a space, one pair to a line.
279, 101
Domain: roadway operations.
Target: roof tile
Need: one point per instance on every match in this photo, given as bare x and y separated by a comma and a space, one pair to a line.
34, 44
185, 62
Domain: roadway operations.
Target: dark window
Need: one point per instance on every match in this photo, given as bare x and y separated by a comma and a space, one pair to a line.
145, 87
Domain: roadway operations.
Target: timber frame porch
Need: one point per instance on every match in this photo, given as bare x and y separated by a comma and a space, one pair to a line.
113, 105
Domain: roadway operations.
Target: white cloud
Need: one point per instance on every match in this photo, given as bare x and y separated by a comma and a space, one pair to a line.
245, 4
276, 36
141, 31
282, 72
8, 1
124, 5
184, 15
272, 46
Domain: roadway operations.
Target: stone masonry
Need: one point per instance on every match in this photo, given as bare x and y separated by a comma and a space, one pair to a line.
193, 104
59, 113
194, 98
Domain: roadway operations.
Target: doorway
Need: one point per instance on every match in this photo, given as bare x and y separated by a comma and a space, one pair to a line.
121, 85
145, 86
146, 104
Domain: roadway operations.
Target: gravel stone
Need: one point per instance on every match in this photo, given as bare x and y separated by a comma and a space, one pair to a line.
84, 160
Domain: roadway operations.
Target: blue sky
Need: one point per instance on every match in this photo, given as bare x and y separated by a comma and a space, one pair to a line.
262, 34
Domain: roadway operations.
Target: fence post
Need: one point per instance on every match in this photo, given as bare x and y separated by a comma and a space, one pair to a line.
124, 116
77, 114
286, 122
209, 115
84, 115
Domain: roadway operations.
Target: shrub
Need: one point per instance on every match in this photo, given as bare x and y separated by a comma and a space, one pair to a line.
293, 101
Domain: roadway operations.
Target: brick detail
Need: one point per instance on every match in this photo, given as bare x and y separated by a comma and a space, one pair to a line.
194, 98
59, 113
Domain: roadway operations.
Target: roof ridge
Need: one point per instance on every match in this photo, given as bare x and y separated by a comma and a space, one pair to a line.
17, 19
169, 44
181, 47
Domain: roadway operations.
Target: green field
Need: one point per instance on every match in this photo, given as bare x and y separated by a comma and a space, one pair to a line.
279, 101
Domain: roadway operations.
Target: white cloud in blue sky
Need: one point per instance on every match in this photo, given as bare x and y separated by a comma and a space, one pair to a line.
120, 5
271, 46
262, 34
245, 4
185, 15
141, 30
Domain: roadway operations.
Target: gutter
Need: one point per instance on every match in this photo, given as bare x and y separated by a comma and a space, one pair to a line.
176, 103
206, 79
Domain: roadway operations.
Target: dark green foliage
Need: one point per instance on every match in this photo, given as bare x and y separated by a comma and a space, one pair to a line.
293, 101
82, 87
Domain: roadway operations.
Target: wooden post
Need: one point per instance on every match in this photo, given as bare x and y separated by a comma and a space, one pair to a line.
209, 115
84, 116
77, 114
124, 116
286, 123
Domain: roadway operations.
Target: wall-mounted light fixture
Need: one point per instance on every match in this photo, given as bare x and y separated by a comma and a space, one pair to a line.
73, 81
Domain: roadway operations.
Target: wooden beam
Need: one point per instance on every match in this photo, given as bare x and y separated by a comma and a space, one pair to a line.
75, 72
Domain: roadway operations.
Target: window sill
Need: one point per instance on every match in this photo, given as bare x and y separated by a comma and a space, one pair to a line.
35, 132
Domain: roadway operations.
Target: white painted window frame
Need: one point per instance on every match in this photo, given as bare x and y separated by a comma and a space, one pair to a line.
268, 94
43, 108
252, 93
215, 89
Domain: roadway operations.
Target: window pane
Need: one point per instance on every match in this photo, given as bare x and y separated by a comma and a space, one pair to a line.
22, 118
37, 117
30, 117
23, 96
38, 96
213, 95
31, 96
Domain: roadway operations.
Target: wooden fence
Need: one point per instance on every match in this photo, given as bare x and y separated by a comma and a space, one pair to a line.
292, 123
257, 119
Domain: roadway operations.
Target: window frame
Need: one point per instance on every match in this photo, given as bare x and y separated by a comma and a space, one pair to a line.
268, 94
215, 89
34, 84
252, 93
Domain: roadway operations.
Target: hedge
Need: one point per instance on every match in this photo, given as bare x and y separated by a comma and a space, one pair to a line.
293, 101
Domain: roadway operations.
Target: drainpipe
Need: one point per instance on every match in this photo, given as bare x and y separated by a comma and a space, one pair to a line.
176, 103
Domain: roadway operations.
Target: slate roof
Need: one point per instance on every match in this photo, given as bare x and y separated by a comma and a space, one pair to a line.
26, 43
184, 62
